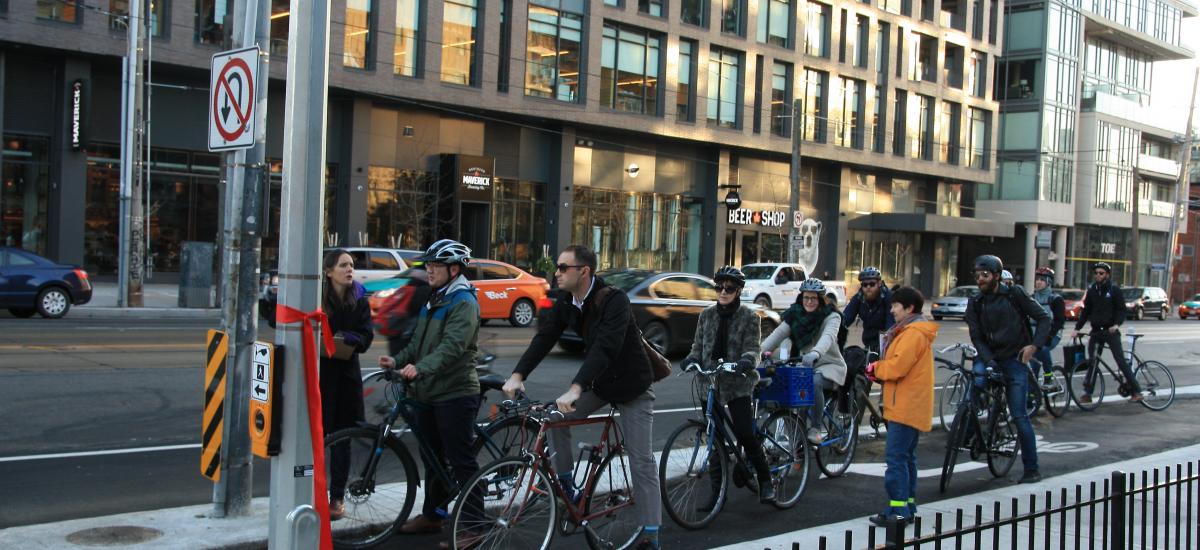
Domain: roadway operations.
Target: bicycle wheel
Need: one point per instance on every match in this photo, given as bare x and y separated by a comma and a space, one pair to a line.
380, 486
612, 495
506, 437
1001, 440
1158, 385
1058, 399
1033, 401
692, 472
836, 451
1076, 384
514, 506
952, 393
954, 443
785, 444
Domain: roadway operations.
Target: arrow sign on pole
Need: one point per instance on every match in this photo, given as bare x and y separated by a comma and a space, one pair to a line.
231, 116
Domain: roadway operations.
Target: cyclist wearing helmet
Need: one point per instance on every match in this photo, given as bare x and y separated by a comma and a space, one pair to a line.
998, 319
1053, 303
812, 328
729, 331
439, 363
872, 304
1104, 306
1007, 278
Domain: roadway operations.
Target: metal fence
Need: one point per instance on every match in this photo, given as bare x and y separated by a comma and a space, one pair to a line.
1120, 513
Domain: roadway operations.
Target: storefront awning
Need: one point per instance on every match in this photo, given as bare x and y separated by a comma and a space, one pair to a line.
932, 223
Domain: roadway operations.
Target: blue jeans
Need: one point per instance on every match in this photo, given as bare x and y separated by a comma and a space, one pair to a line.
816, 413
900, 478
1017, 384
1044, 357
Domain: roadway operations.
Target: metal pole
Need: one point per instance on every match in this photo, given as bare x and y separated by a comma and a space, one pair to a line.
794, 202
1180, 187
300, 248
1135, 249
3, 62
129, 270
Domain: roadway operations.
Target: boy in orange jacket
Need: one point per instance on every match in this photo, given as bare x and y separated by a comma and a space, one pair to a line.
906, 371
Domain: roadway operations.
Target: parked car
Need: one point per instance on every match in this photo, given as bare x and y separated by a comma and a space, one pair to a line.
667, 307
32, 284
776, 285
374, 264
505, 292
1190, 308
954, 303
1143, 301
1072, 302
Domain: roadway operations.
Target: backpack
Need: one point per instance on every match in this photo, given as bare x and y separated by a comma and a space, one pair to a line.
1012, 300
390, 318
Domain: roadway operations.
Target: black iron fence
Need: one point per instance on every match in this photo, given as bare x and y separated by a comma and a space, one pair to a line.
1119, 513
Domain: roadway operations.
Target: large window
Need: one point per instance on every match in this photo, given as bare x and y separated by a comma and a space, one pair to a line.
504, 61
118, 17
781, 99
816, 30
979, 136
25, 192
733, 17
459, 30
847, 113
724, 83
953, 70
407, 53
922, 62
280, 11
694, 12
629, 69
552, 62
685, 91
647, 230
402, 207
210, 21
1017, 79
1116, 152
855, 40
878, 119
66, 11
922, 134
900, 123
183, 192
977, 74
358, 43
519, 222
949, 133
814, 115
775, 22
651, 7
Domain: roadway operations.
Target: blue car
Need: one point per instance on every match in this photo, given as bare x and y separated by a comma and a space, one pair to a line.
32, 284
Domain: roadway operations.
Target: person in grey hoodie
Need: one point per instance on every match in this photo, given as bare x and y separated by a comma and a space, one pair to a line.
812, 328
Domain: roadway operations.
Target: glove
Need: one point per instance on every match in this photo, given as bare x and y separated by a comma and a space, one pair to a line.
745, 365
350, 338
810, 358
689, 364
767, 354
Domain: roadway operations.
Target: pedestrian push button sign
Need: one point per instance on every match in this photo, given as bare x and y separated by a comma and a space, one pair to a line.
265, 400
231, 111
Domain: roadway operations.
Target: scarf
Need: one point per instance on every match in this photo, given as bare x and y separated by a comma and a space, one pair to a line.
724, 314
896, 328
805, 325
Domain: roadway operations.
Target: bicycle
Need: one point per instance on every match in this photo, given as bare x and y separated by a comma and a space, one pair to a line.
954, 389
1155, 379
521, 496
998, 441
1058, 398
862, 389
699, 448
382, 476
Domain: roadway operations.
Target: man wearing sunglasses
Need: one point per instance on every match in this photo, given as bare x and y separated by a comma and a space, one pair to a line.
615, 370
872, 304
1104, 307
998, 319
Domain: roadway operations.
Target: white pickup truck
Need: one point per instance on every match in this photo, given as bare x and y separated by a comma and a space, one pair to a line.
776, 286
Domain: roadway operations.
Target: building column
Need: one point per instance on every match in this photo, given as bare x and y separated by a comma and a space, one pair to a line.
560, 194
1060, 255
67, 207
721, 213
352, 202
1031, 231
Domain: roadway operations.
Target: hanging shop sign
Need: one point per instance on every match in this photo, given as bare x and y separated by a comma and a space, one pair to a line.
765, 218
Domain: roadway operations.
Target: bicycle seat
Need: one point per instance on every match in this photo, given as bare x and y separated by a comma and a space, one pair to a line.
1134, 335
489, 382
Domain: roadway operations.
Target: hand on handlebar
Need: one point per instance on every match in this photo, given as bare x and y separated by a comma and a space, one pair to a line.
409, 372
689, 365
745, 365
513, 386
387, 363
566, 401
810, 358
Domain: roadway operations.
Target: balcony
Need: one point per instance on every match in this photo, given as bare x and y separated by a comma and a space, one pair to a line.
1158, 209
1158, 166
1127, 109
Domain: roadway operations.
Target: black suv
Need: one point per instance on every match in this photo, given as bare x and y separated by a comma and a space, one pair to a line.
1146, 301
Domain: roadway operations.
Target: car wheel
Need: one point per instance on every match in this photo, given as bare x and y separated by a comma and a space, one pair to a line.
53, 303
1138, 314
522, 314
656, 333
1162, 313
571, 347
937, 317
22, 313
763, 300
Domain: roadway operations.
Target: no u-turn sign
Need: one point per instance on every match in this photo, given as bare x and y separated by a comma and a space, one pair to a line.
231, 115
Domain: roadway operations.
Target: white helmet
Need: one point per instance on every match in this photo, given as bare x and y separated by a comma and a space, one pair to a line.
447, 251
1006, 276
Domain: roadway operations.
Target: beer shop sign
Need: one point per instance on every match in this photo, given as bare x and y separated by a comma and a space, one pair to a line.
765, 218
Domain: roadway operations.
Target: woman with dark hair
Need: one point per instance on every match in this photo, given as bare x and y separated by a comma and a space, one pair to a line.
343, 300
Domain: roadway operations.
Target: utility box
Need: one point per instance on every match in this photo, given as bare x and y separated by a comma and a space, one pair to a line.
196, 275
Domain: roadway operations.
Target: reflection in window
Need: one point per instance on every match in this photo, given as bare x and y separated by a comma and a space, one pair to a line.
694, 12
1018, 78
847, 112
648, 230
279, 26
922, 139
401, 207
816, 31
66, 11
210, 20
781, 99
357, 44
949, 132
979, 132
685, 93
774, 22
923, 61
552, 68
408, 37
814, 105
953, 70
629, 64
724, 79
733, 13
519, 222
24, 193
459, 28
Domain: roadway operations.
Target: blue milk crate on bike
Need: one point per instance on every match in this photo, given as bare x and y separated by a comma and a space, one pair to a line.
790, 387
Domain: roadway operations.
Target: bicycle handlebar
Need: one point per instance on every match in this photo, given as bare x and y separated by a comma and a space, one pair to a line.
968, 349
722, 366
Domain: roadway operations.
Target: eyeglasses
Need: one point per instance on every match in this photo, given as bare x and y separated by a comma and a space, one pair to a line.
728, 289
869, 284
564, 267
811, 298
983, 274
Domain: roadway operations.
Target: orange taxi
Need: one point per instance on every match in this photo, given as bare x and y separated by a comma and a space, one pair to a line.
504, 291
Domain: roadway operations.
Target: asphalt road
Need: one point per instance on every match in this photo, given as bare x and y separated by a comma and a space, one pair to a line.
103, 417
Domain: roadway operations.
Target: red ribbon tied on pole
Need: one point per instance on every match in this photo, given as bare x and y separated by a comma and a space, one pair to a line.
288, 315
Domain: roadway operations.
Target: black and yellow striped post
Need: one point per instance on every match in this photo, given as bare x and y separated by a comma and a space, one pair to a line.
214, 405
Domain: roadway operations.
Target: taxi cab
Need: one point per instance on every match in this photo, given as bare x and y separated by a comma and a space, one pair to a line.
504, 291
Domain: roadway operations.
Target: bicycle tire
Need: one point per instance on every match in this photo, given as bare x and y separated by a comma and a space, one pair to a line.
1002, 439
1033, 401
1075, 383
953, 391
954, 443
619, 528
1058, 400
783, 431
836, 451
519, 495
682, 485
378, 499
1157, 383
508, 436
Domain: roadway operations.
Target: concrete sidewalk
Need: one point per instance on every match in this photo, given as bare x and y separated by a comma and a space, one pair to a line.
160, 301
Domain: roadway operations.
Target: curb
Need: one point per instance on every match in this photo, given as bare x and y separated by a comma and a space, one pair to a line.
84, 312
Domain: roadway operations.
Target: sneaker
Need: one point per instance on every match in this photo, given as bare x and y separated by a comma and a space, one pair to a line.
881, 520
1085, 398
814, 436
1030, 476
1136, 398
421, 525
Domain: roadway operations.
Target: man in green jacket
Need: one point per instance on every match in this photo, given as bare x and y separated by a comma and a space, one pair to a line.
439, 363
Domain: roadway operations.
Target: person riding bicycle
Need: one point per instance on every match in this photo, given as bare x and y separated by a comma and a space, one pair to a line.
439, 364
812, 327
998, 319
1007, 278
907, 369
396, 317
615, 371
1054, 305
872, 304
729, 331
1104, 308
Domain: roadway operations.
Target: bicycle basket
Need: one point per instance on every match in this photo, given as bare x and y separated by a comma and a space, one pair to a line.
790, 387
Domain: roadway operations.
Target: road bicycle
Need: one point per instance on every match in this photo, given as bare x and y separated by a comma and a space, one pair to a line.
700, 450
382, 476
1055, 394
861, 387
515, 501
954, 388
982, 426
1156, 381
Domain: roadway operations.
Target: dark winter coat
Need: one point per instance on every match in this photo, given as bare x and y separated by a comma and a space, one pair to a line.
741, 342
999, 323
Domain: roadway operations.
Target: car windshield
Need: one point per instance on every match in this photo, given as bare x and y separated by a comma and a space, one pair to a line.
963, 292
1072, 295
759, 271
625, 279
1134, 293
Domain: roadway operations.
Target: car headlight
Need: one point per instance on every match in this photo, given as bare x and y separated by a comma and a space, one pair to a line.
385, 293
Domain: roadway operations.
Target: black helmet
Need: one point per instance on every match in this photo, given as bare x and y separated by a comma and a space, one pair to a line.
870, 273
1102, 265
988, 262
730, 273
447, 251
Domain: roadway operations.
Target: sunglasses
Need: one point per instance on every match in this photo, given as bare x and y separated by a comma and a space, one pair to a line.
564, 267
869, 284
728, 289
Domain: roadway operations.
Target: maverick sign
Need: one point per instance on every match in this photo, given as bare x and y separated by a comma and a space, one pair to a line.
476, 178
765, 218
468, 177
77, 119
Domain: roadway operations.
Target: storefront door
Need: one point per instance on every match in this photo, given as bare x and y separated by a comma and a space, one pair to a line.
475, 225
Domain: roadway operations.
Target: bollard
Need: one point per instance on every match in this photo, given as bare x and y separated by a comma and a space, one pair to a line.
305, 525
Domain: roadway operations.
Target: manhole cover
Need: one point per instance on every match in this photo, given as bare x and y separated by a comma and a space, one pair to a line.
119, 535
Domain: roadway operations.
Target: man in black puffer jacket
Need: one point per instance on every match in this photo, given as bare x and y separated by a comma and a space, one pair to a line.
1104, 307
